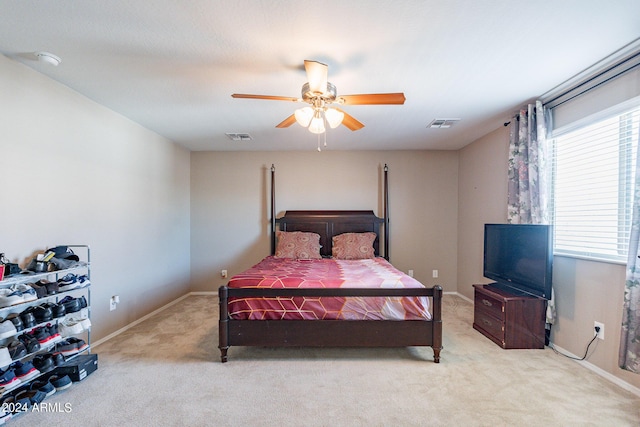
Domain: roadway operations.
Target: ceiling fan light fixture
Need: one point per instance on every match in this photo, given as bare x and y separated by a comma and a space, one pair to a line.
334, 117
303, 116
317, 123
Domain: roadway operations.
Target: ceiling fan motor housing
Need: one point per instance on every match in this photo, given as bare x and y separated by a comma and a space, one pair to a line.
328, 96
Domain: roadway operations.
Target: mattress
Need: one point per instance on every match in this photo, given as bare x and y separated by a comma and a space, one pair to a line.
274, 272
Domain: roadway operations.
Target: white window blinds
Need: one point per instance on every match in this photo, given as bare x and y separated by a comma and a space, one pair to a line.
593, 183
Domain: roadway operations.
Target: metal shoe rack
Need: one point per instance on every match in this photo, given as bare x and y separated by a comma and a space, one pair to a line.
83, 266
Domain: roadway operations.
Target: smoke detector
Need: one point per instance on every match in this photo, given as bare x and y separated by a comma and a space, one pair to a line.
48, 58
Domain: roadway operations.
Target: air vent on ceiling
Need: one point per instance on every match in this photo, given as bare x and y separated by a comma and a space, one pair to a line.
442, 123
239, 136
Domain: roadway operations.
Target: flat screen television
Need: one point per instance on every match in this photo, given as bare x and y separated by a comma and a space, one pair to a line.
519, 257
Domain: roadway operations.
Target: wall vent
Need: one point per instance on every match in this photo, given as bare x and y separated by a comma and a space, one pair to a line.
239, 136
442, 123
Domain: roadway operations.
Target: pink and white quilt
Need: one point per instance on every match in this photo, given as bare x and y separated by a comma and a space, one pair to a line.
274, 272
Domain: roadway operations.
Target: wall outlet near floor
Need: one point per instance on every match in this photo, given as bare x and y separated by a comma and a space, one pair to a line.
410, 273
600, 332
223, 274
435, 274
113, 302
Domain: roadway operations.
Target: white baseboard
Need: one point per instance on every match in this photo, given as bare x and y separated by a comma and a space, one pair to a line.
458, 294
604, 374
140, 320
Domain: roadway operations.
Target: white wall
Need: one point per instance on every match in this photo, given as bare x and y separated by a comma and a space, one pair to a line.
230, 205
74, 172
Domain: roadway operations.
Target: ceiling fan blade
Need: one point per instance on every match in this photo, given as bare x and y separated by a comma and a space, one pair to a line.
287, 122
350, 121
372, 99
316, 76
271, 98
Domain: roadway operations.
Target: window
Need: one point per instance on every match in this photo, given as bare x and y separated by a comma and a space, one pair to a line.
593, 182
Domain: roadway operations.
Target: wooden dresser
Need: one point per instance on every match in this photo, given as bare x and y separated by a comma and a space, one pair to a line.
511, 321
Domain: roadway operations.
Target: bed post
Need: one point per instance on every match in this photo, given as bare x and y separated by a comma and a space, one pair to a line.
273, 209
223, 323
436, 321
386, 212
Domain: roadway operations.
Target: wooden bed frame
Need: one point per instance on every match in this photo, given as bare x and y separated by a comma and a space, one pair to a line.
331, 333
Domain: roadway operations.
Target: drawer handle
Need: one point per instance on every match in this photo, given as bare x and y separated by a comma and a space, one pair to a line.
487, 303
487, 322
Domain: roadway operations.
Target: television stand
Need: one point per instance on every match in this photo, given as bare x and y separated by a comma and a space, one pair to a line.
512, 321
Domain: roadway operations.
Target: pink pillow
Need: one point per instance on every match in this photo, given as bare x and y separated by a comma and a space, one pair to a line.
353, 246
298, 245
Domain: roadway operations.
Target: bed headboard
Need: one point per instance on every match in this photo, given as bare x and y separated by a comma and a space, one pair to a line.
331, 223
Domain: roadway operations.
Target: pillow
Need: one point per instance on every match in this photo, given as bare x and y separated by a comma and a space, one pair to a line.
298, 245
353, 246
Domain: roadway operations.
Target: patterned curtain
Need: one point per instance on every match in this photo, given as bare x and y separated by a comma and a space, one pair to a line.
629, 356
527, 189
527, 193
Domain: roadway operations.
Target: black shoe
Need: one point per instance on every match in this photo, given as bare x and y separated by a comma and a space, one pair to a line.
16, 320
58, 359
58, 310
44, 362
17, 350
30, 342
71, 305
28, 319
43, 314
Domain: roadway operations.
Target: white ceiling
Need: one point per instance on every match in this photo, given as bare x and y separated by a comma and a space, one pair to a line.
172, 65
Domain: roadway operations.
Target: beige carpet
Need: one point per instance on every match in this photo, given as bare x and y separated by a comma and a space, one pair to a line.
166, 372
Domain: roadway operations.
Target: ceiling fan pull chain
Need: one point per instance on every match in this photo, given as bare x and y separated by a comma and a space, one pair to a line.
319, 143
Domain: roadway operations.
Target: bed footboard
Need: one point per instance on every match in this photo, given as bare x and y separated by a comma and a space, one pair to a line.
330, 333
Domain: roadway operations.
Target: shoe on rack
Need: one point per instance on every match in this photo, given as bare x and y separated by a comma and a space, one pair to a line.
41, 291
58, 359
5, 357
68, 282
28, 319
30, 342
27, 292
43, 313
17, 350
9, 297
43, 336
43, 386
7, 329
70, 347
71, 305
25, 371
84, 281
52, 330
44, 362
52, 287
60, 382
73, 326
16, 320
35, 397
8, 380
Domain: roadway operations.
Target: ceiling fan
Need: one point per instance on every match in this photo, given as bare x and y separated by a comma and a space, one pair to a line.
321, 95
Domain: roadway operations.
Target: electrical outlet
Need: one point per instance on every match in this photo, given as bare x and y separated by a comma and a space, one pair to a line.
113, 304
223, 273
410, 273
435, 274
600, 332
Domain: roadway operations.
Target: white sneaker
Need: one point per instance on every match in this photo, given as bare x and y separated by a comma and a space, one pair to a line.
9, 297
7, 329
5, 357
